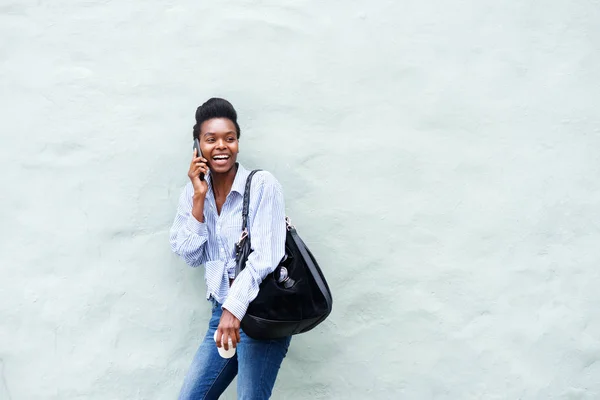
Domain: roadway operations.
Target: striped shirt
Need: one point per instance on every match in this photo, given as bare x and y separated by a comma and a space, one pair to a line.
212, 243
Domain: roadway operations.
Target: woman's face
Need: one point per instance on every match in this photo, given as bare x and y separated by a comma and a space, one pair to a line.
219, 144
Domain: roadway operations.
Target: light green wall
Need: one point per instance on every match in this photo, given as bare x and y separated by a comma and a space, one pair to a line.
441, 159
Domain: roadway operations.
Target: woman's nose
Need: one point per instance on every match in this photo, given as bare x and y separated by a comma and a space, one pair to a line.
221, 144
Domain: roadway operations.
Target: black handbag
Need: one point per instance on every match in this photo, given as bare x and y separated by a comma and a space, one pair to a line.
295, 297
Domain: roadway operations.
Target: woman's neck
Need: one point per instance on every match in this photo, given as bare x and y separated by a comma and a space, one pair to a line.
222, 183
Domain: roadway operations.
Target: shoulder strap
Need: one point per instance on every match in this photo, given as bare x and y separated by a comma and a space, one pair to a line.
246, 205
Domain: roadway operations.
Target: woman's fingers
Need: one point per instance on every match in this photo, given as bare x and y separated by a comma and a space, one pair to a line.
230, 336
225, 335
196, 158
219, 338
199, 167
234, 338
199, 162
226, 341
229, 325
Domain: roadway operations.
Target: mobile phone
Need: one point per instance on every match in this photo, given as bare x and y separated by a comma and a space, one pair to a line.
198, 154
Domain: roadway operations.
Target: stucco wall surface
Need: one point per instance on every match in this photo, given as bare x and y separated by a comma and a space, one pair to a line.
441, 159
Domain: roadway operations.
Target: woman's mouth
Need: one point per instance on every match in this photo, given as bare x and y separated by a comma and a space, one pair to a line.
220, 160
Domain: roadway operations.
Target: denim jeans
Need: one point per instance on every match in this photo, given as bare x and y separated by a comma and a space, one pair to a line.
256, 362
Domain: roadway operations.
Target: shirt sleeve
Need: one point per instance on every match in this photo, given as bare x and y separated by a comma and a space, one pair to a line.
267, 238
188, 236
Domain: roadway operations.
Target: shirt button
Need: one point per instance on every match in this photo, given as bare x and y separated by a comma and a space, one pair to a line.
222, 250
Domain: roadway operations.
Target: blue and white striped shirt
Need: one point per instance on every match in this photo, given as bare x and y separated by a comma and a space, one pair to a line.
212, 242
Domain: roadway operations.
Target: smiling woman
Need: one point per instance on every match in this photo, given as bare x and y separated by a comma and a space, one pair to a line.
206, 228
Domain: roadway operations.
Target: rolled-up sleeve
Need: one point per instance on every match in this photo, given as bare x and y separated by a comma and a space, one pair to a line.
267, 237
188, 236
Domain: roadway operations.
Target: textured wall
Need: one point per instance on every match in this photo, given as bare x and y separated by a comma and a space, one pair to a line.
440, 158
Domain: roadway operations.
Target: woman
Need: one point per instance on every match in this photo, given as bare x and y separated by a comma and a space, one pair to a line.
207, 226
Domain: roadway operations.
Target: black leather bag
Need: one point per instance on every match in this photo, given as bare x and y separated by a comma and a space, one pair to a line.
295, 297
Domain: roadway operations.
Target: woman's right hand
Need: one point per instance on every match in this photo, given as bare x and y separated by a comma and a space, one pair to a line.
198, 166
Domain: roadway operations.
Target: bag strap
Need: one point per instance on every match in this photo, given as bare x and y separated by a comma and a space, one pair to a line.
246, 205
245, 231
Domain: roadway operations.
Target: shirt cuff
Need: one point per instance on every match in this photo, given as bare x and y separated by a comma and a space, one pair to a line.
197, 227
236, 307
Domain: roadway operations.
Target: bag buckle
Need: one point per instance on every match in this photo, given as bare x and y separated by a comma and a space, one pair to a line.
244, 236
288, 224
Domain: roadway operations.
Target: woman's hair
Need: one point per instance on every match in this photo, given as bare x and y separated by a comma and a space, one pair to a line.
215, 108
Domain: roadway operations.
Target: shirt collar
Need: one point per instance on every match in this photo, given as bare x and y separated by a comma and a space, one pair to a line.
239, 182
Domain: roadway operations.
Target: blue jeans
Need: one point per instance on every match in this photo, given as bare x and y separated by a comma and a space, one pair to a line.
256, 362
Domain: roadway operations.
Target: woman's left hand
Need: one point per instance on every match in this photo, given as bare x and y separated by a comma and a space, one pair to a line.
229, 327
